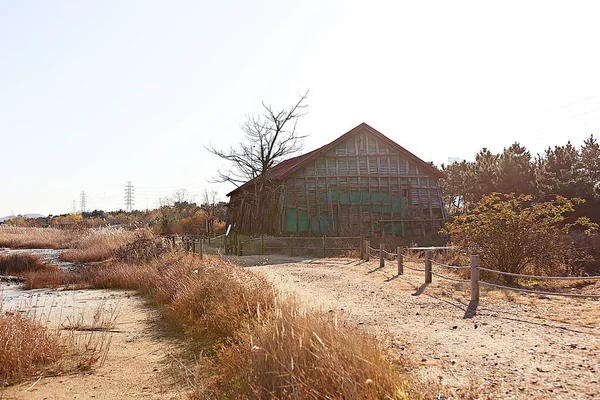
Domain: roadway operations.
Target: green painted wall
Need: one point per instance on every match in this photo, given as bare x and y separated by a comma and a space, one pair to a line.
299, 221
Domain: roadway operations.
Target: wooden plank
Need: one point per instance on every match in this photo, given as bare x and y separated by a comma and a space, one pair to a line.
360, 206
317, 200
329, 205
307, 204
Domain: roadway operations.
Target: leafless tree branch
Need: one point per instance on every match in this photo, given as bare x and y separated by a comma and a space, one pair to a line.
270, 137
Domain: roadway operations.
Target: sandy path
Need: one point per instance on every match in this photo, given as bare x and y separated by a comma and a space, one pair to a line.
137, 362
520, 347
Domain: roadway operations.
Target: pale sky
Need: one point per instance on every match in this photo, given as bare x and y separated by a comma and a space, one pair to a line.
95, 94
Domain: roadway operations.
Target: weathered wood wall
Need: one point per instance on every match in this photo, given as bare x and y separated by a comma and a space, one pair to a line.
363, 185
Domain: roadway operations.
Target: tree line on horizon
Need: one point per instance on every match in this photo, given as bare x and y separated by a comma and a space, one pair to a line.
564, 170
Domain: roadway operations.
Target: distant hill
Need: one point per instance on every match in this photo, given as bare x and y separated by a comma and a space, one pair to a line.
25, 215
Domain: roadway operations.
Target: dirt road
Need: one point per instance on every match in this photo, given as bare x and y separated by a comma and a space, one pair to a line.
514, 347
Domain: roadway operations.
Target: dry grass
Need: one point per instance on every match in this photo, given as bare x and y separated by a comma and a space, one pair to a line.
265, 346
97, 245
31, 345
86, 246
37, 274
308, 356
26, 348
20, 263
35, 238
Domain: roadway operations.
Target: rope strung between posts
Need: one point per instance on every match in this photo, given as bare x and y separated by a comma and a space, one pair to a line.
409, 258
449, 277
414, 269
450, 266
593, 296
557, 278
372, 252
390, 256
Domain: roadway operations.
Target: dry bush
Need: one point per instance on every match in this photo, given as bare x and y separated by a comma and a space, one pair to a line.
19, 263
145, 247
34, 238
218, 300
26, 348
97, 245
308, 356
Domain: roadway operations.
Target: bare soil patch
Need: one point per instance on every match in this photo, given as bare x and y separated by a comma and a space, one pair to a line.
139, 362
516, 346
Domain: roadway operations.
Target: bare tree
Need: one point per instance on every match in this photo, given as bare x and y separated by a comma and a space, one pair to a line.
270, 137
209, 204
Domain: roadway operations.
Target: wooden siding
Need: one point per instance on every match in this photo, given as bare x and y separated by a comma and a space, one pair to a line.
362, 185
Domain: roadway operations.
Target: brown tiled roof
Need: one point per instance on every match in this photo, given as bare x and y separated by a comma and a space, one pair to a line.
287, 167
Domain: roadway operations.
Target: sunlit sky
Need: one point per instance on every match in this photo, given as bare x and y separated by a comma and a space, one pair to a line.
95, 94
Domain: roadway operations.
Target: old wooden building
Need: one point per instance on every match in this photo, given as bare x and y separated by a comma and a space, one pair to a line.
361, 183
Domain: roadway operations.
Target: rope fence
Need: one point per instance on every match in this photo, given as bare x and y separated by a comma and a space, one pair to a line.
450, 266
556, 278
195, 244
593, 296
474, 268
450, 278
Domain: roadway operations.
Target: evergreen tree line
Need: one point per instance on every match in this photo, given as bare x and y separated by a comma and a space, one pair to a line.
563, 170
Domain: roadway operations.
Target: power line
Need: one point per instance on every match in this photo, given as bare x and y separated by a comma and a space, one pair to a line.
129, 199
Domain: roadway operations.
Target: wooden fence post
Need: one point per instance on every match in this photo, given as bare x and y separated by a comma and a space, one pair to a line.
367, 250
193, 245
400, 261
324, 243
262, 244
474, 278
241, 249
381, 259
427, 266
362, 247
291, 246
201, 247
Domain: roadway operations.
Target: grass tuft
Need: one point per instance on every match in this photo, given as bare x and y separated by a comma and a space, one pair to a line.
26, 347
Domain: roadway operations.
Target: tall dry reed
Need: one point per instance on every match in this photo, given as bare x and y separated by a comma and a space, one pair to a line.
97, 244
35, 238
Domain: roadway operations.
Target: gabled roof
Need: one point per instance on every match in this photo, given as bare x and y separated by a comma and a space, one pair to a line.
287, 167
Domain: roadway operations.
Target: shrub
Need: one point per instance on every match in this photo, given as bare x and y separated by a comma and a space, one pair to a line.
514, 234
